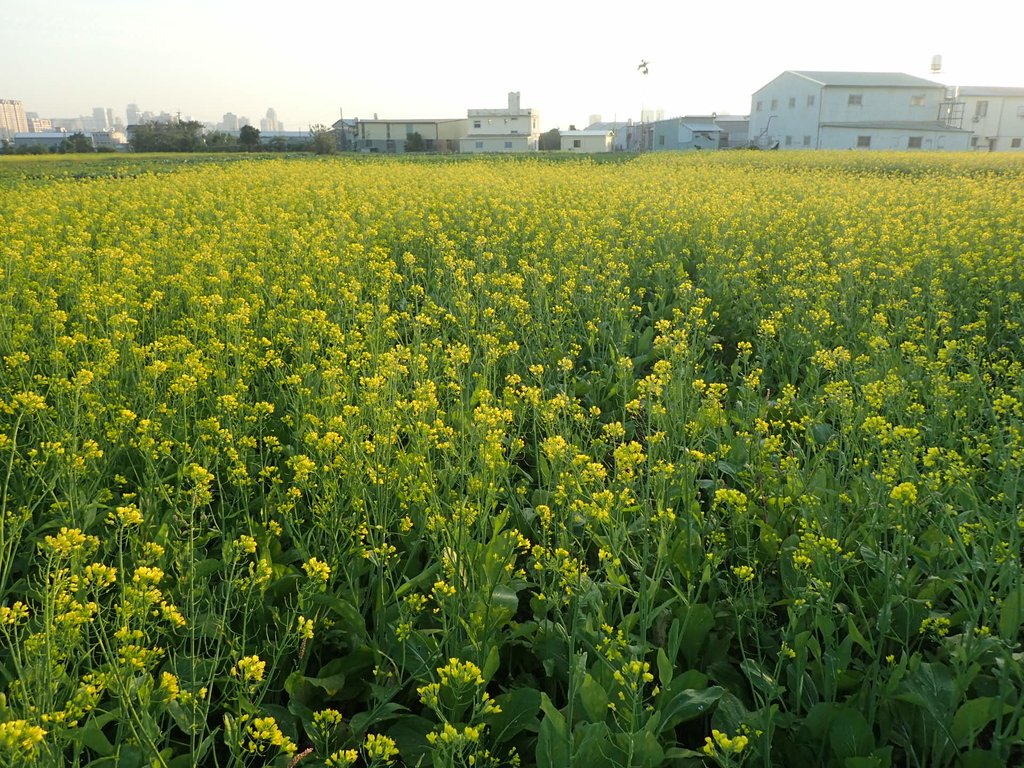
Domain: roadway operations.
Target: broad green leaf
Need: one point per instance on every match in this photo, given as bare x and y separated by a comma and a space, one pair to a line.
1011, 614
687, 704
594, 748
849, 734
594, 699
519, 710
973, 716
981, 758
553, 741
664, 668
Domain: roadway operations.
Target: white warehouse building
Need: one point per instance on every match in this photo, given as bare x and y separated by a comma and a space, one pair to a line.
993, 114
852, 110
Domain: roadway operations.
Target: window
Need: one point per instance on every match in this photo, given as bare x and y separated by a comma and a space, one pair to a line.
1014, 143
863, 142
974, 141
1020, 111
508, 145
410, 129
661, 140
577, 143
917, 101
476, 123
915, 142
810, 100
792, 101
855, 100
760, 105
981, 109
479, 145
789, 141
775, 104
807, 141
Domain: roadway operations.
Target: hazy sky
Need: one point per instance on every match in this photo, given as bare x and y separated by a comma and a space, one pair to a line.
401, 59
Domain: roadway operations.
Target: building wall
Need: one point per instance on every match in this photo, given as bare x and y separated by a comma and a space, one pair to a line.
788, 106
793, 106
996, 121
920, 104
12, 118
495, 121
892, 139
480, 144
587, 144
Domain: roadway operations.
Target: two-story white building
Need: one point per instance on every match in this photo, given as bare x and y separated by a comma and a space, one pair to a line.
513, 129
994, 116
852, 110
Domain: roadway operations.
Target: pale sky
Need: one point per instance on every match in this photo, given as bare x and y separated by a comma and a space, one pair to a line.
427, 59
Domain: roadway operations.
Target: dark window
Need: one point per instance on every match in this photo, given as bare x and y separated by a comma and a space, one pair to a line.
864, 141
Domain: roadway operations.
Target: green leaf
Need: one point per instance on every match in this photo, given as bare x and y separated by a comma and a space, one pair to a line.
553, 741
1011, 614
872, 761
647, 751
685, 705
130, 756
410, 735
344, 610
981, 758
973, 716
93, 737
594, 699
849, 734
593, 746
519, 710
761, 679
664, 668
492, 663
505, 597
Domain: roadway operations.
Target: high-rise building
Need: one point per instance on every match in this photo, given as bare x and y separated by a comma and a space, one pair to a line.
99, 119
271, 123
133, 114
12, 118
230, 121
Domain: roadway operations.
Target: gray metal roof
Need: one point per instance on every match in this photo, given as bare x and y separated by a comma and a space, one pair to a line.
989, 90
694, 125
867, 79
899, 125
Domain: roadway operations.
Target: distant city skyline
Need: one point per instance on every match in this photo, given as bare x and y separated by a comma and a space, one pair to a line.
64, 58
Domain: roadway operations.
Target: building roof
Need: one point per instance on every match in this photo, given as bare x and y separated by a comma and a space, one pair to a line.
42, 135
988, 90
505, 136
899, 125
867, 79
698, 125
414, 121
606, 126
588, 132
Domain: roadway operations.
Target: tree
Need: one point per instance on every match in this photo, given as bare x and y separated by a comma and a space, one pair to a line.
550, 139
77, 142
414, 143
322, 139
176, 136
249, 138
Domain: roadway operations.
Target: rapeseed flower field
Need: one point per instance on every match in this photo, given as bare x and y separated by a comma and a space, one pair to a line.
683, 461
